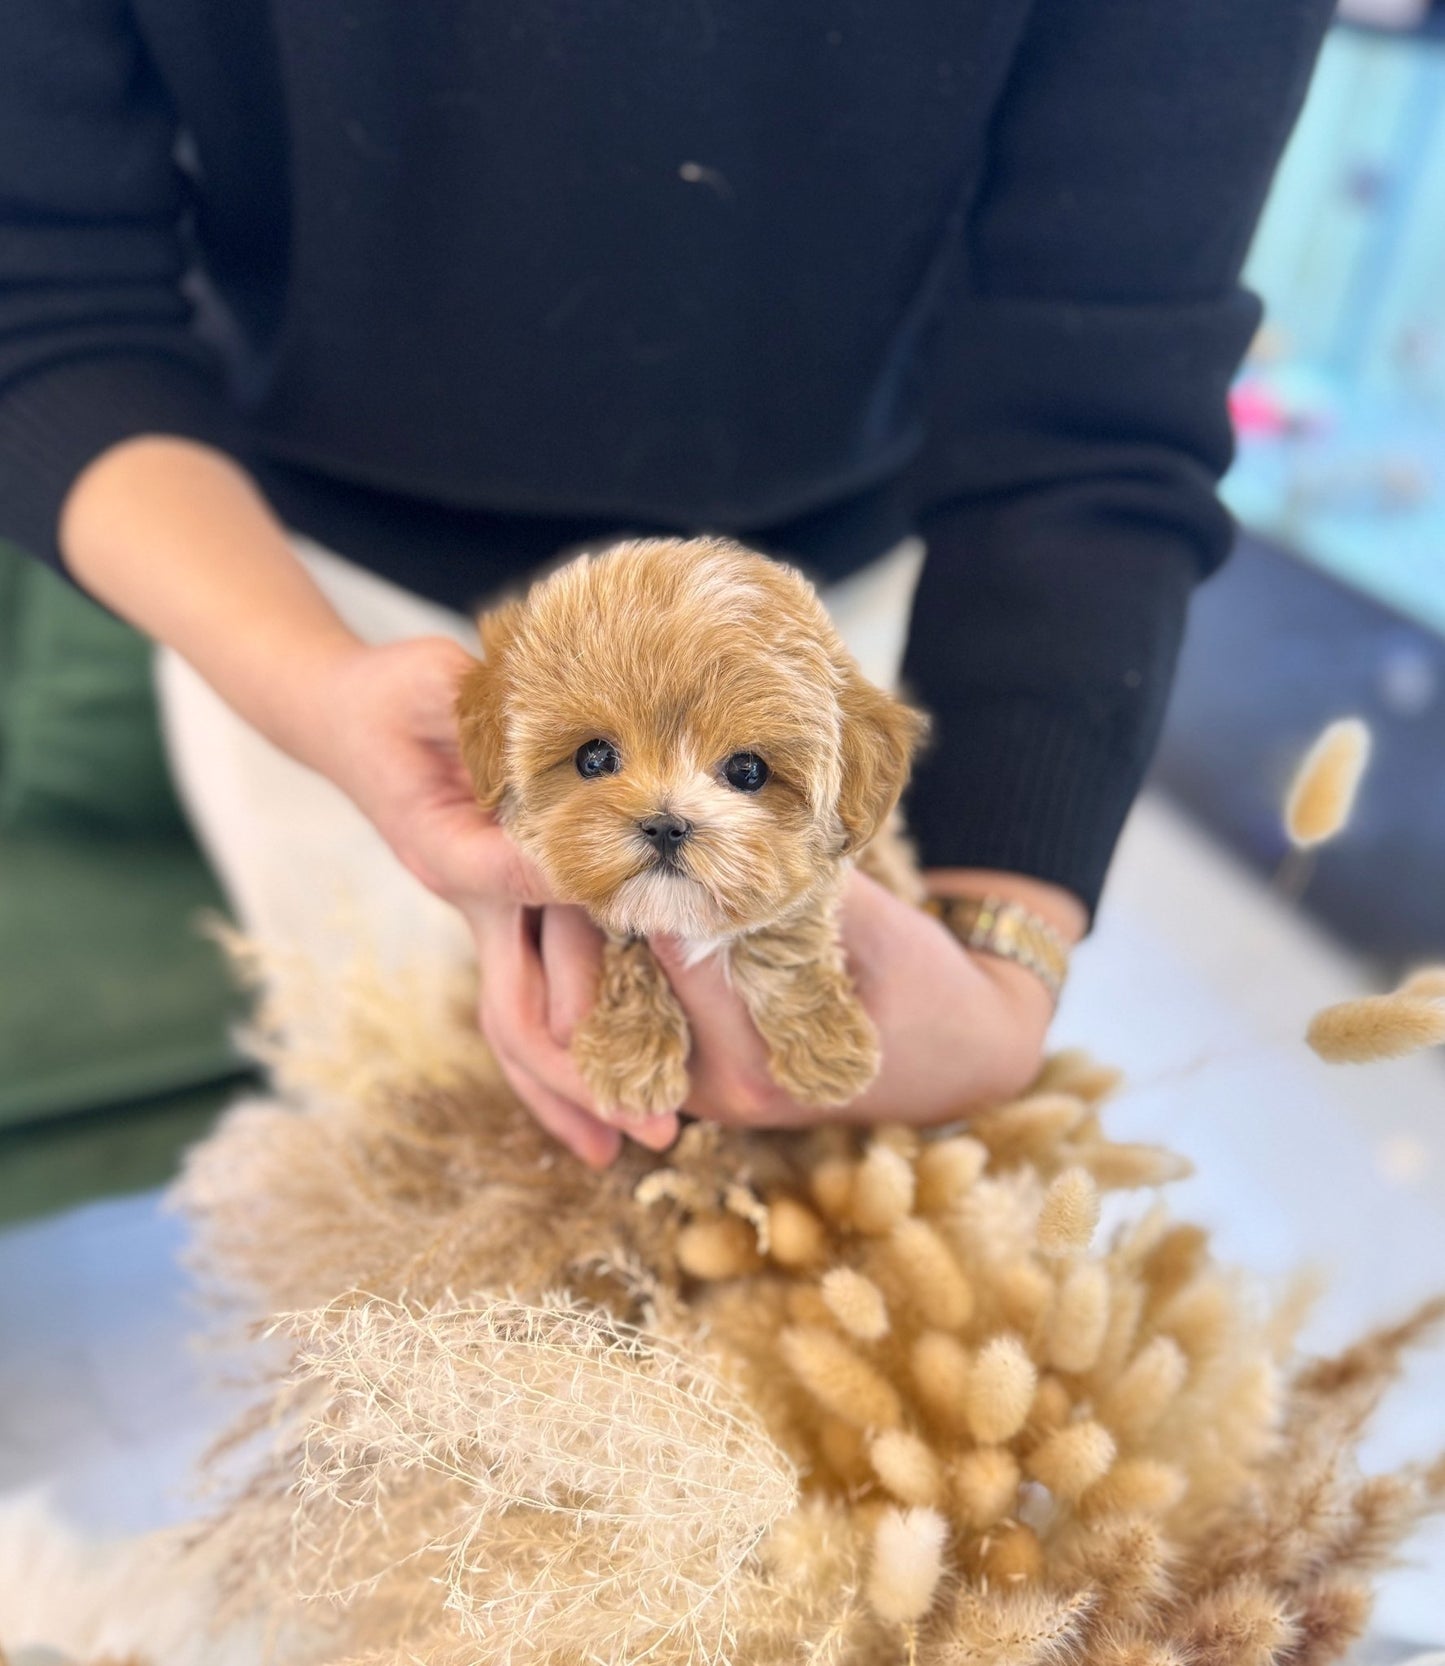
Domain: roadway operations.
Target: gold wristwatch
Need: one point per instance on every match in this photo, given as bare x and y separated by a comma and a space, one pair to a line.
996, 926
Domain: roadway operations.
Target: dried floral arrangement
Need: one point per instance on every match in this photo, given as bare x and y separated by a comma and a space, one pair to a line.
853, 1397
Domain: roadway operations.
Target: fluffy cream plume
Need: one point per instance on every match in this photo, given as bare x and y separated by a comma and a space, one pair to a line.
882, 1189
983, 1485
1071, 1461
999, 1390
907, 1467
844, 1450
723, 1246
1030, 1127
1376, 1027
1130, 1648
1022, 1293
1331, 1614
1126, 1561
899, 1137
1134, 1487
1241, 1624
1123, 1167
1426, 984
1078, 1318
796, 1237
946, 1169
1322, 795
1138, 1397
1052, 1407
1126, 1312
1017, 1627
1070, 1213
1075, 1070
839, 1379
907, 1564
1010, 1555
994, 1223
925, 1270
831, 1184
940, 1368
856, 1303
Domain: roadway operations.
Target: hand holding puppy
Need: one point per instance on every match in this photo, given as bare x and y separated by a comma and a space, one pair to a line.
392, 748
953, 1028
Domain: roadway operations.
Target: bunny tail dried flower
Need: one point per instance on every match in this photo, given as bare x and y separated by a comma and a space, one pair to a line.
1376, 1027
1322, 796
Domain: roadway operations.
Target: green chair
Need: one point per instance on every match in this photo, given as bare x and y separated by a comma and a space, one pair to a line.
115, 1009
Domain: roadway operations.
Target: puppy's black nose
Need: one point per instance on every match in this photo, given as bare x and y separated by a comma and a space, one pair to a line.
666, 834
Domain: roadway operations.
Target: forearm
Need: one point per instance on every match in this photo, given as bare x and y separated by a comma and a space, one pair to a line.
175, 538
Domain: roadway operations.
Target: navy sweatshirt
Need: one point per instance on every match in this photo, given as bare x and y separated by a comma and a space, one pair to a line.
465, 280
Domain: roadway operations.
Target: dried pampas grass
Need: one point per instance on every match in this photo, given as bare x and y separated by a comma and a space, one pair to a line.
841, 1398
585, 1486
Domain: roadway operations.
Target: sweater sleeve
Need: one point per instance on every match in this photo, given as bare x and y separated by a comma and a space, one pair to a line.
1079, 422
96, 343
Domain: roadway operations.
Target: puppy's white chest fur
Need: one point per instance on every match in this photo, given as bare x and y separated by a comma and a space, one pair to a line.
695, 950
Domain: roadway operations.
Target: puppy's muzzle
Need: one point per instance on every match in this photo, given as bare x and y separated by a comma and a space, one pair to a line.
667, 834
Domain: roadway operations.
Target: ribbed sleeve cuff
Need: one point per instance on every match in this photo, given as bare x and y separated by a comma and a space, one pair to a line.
1024, 786
1044, 636
56, 421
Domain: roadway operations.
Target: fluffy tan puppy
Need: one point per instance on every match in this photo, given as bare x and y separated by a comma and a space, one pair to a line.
675, 733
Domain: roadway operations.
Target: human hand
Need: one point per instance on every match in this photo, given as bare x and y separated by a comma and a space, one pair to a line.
957, 1030
384, 731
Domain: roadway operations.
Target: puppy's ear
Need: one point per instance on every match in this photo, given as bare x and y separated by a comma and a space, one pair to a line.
880, 736
481, 699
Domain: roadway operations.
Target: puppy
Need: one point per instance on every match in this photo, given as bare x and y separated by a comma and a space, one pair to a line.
675, 733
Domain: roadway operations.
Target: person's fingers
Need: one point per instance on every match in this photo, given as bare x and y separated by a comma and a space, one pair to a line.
571, 949
514, 1020
514, 1004
591, 1141
656, 1133
572, 962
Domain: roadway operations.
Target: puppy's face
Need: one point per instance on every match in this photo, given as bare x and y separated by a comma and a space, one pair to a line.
674, 733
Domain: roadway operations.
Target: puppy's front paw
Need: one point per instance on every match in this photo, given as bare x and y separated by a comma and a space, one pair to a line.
825, 1057
632, 1048
631, 1071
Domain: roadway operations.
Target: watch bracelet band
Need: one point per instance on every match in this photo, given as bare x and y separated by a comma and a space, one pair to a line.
996, 926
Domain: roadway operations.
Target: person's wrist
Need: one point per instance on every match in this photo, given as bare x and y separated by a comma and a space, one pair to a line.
1061, 909
1022, 947
1023, 992
301, 702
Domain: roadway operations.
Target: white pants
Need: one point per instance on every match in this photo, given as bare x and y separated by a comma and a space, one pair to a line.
301, 867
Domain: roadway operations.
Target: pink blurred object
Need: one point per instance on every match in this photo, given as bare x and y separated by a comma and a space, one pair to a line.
1255, 409
1282, 401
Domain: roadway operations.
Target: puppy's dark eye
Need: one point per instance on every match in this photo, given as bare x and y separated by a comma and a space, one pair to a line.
746, 771
597, 757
